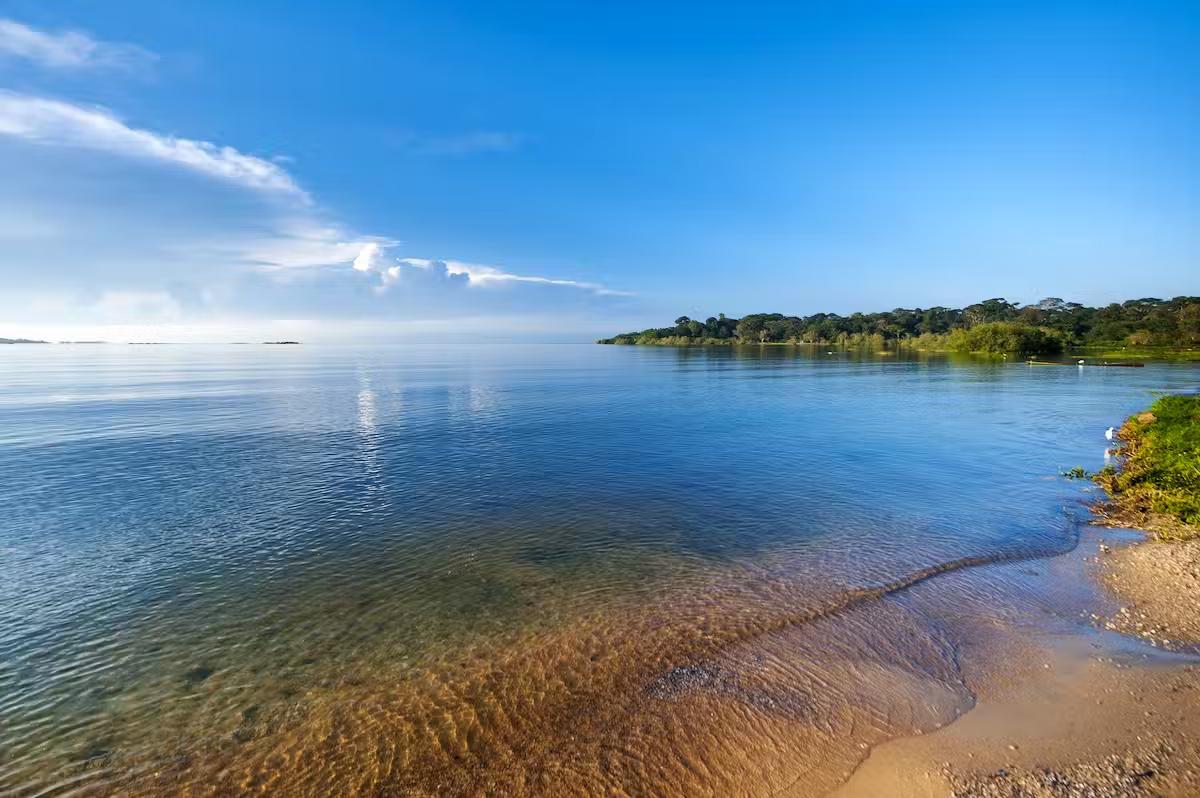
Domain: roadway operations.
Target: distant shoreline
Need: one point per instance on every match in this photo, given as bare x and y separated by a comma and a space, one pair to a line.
995, 326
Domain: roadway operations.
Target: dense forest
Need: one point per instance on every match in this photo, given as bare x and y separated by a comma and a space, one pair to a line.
993, 325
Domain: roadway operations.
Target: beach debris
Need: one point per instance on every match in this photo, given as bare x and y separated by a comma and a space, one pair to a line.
688, 678
684, 680
1115, 776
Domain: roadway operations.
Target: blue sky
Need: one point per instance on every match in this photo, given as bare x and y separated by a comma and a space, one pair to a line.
400, 171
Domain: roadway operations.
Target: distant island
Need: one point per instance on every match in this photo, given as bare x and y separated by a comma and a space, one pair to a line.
21, 341
993, 325
282, 343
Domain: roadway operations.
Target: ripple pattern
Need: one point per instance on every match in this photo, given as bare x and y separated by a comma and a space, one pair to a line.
451, 570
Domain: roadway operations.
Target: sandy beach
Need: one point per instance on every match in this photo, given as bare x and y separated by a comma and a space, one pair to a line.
1159, 584
1067, 717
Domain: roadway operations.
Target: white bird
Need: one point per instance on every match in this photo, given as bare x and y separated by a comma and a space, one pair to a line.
1108, 434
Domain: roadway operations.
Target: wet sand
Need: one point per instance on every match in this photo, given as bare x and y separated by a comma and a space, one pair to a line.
1107, 715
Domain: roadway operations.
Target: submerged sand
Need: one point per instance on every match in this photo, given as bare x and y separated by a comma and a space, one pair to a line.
992, 677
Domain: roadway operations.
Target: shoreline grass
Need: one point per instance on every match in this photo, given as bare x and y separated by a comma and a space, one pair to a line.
1156, 483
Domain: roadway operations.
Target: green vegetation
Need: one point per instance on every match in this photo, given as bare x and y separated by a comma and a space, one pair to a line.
1157, 485
997, 337
1152, 326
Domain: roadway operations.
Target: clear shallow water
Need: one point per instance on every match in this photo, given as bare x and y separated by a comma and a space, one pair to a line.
541, 568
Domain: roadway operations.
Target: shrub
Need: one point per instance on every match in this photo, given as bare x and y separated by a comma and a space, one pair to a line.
1160, 470
1004, 336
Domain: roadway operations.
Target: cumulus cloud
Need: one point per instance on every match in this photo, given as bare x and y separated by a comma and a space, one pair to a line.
58, 123
372, 258
367, 258
67, 49
301, 245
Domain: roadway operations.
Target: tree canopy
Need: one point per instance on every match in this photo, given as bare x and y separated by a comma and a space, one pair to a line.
994, 325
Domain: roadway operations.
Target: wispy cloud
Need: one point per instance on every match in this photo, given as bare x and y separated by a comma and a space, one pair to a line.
476, 274
264, 248
480, 141
300, 240
60, 123
68, 49
484, 275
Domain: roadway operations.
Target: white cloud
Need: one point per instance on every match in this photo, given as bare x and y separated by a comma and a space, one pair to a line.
62, 124
483, 275
67, 49
366, 259
261, 250
477, 274
296, 241
390, 275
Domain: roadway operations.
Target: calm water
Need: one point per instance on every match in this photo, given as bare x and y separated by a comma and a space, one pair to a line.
548, 569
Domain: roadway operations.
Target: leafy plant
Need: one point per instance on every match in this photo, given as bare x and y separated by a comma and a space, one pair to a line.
1158, 483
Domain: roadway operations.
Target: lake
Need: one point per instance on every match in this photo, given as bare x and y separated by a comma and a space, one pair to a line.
533, 568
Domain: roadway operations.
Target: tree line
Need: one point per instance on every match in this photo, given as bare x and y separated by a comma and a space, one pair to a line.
993, 325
